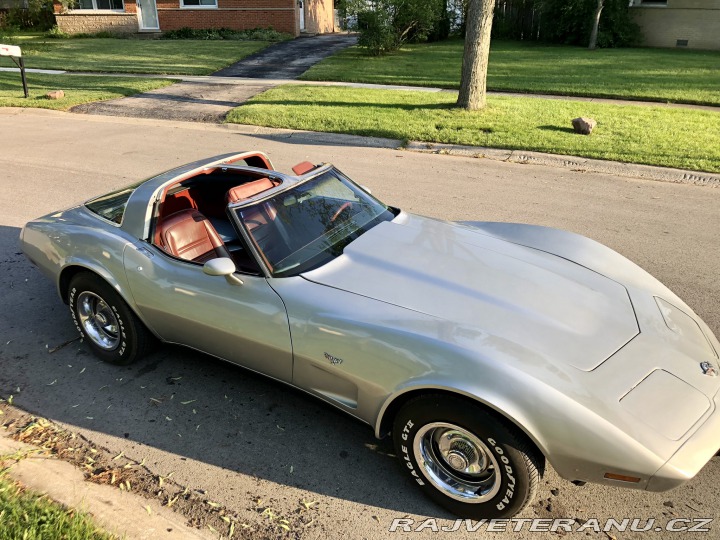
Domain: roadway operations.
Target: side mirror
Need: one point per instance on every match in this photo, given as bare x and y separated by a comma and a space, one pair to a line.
222, 266
365, 188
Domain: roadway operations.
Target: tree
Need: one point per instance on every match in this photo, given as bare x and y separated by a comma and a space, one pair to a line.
596, 24
473, 80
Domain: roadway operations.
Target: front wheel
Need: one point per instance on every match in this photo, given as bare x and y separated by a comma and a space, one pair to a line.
468, 460
106, 322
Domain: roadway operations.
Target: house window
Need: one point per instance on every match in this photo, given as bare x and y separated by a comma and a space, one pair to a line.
198, 3
114, 5
650, 2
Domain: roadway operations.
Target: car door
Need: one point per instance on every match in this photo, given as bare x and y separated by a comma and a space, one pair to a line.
245, 324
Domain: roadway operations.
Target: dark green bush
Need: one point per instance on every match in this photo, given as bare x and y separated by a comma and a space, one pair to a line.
570, 22
257, 34
377, 35
37, 16
390, 23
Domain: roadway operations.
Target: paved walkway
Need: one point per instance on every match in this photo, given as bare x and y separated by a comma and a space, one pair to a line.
191, 101
209, 99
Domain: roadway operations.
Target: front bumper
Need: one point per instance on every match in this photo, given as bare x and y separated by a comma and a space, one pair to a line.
692, 456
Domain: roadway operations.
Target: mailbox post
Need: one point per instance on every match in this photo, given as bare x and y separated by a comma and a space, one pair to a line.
15, 54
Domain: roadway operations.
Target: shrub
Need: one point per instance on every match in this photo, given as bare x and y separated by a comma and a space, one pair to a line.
570, 22
384, 25
56, 33
256, 34
377, 35
38, 15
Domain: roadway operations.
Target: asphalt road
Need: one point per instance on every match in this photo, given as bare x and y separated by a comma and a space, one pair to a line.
239, 437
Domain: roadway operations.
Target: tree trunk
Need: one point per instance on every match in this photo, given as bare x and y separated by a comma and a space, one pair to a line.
596, 24
473, 80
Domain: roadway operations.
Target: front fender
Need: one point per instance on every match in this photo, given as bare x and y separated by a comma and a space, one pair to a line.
577, 442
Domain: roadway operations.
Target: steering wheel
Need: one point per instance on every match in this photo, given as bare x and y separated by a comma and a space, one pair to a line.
346, 206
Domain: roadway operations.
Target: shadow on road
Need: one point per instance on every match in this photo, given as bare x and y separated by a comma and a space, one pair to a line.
186, 403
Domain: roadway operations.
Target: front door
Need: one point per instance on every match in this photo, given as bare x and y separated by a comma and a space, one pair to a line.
301, 9
245, 324
147, 15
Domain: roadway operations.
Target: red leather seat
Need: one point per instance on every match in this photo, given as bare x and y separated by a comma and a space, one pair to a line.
303, 167
245, 191
189, 235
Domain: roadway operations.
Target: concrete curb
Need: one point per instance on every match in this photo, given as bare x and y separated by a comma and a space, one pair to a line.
121, 513
629, 170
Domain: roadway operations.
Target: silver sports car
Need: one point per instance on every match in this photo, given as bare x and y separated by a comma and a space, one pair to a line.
483, 348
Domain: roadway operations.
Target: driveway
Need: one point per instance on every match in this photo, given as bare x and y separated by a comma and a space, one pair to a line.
288, 59
210, 101
245, 442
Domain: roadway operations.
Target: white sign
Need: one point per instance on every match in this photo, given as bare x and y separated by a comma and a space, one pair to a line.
10, 50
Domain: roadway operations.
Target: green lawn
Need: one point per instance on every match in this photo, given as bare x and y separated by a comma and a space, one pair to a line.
29, 516
683, 76
109, 55
78, 89
637, 134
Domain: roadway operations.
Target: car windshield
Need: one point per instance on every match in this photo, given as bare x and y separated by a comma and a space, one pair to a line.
311, 224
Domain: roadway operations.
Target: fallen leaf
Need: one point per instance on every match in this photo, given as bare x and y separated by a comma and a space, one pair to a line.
188, 402
148, 510
121, 454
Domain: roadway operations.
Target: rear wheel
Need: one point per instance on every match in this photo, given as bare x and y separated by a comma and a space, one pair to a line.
470, 461
105, 321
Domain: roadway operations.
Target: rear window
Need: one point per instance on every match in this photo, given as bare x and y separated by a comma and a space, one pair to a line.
112, 206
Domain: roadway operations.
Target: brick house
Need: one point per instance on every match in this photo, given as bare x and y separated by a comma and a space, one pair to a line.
694, 24
132, 16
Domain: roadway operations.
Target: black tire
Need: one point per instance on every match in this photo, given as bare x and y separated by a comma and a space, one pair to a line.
504, 487
126, 339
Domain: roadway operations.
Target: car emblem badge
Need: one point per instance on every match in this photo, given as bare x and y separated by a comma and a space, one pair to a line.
708, 369
333, 360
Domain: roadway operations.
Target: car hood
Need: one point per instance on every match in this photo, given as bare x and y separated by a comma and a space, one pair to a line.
510, 295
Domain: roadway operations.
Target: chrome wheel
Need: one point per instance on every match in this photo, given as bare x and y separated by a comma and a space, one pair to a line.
457, 462
98, 321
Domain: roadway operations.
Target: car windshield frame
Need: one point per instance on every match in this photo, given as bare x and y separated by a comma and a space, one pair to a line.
310, 223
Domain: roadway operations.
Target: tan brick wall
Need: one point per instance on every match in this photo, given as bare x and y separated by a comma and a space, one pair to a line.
663, 26
90, 23
319, 16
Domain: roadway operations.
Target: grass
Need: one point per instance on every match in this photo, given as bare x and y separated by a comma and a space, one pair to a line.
682, 76
115, 55
638, 134
78, 89
29, 516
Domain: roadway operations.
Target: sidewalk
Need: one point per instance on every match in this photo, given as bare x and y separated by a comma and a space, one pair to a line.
124, 514
272, 82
